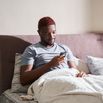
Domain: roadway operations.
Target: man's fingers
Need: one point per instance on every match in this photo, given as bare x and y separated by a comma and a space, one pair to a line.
61, 58
81, 74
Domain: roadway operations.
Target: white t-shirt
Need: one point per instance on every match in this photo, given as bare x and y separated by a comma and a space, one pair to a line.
38, 55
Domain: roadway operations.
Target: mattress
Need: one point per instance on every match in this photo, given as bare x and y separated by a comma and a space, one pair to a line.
9, 97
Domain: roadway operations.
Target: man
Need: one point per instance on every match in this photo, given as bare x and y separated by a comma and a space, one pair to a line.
44, 56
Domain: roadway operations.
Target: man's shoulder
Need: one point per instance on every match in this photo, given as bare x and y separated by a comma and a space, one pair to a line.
33, 46
62, 45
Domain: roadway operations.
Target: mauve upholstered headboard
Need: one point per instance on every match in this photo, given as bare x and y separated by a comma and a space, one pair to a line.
80, 44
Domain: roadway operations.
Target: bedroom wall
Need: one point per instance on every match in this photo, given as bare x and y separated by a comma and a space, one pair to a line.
18, 17
97, 15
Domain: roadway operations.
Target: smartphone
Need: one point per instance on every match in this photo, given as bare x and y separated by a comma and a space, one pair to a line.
63, 54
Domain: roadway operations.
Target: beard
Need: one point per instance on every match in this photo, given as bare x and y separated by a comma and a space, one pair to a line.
51, 42
48, 42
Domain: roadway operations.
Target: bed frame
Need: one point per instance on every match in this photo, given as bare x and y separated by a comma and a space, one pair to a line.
80, 44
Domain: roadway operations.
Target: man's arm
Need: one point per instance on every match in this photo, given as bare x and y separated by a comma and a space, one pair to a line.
73, 65
27, 75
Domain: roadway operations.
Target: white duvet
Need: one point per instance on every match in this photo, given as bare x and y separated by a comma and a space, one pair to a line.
61, 86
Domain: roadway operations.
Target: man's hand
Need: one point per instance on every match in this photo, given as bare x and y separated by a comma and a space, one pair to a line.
81, 74
56, 61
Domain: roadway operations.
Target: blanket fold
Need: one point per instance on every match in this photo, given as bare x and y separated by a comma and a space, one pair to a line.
57, 84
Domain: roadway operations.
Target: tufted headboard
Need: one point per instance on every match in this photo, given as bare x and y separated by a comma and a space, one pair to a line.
80, 44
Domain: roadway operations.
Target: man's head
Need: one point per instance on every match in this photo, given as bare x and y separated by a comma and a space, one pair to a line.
46, 30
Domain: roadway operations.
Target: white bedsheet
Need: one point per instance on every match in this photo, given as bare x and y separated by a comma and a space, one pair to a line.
61, 86
9, 97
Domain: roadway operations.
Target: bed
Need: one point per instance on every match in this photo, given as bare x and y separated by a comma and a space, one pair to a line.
81, 45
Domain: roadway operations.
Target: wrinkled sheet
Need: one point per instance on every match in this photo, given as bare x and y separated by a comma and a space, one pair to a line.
10, 97
62, 86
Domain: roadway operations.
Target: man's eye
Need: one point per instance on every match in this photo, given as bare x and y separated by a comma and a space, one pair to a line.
53, 32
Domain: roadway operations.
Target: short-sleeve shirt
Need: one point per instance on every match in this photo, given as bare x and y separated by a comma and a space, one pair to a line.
38, 55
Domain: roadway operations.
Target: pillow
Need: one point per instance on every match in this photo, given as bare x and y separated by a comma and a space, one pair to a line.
95, 65
81, 65
16, 85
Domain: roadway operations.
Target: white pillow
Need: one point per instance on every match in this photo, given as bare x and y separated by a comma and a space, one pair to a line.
95, 65
16, 85
81, 65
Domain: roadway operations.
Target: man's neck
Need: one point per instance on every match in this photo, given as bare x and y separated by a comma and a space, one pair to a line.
46, 45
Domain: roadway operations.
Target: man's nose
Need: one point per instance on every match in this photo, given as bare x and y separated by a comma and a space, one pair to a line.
52, 35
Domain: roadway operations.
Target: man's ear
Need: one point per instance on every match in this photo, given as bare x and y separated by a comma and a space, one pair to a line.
38, 31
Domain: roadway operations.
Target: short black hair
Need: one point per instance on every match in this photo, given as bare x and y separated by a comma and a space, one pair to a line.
45, 21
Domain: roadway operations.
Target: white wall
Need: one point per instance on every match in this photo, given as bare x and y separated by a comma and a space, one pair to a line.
97, 15
19, 17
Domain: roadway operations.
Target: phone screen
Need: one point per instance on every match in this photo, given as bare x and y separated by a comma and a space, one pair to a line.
63, 54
